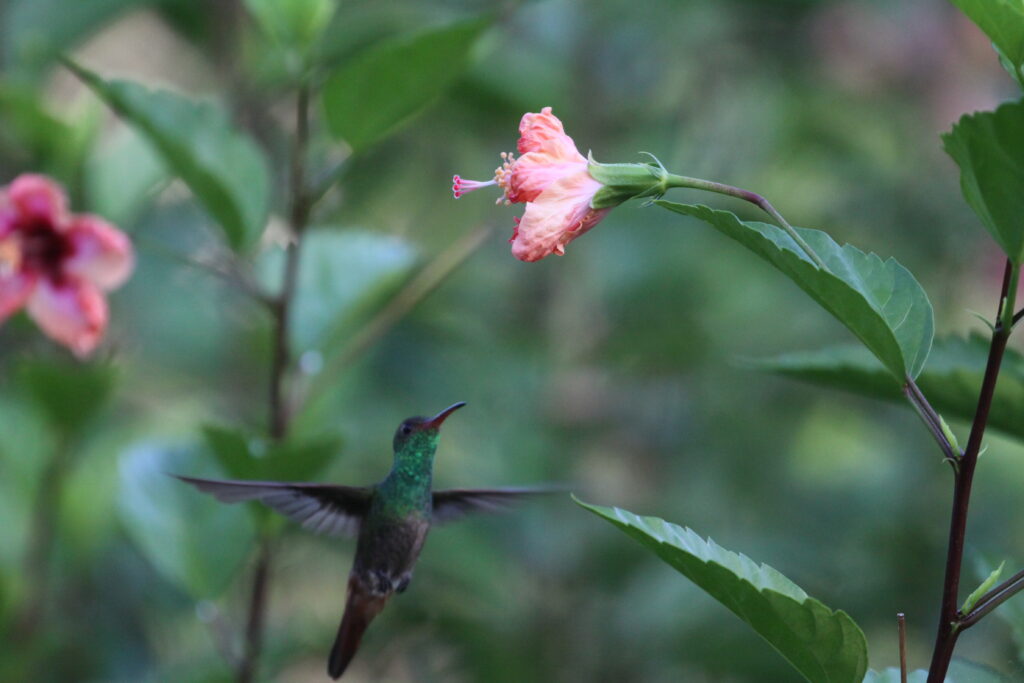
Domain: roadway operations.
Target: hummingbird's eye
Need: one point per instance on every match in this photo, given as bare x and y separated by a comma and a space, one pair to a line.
406, 430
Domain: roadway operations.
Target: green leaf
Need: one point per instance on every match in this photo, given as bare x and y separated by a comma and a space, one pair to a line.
823, 645
985, 146
232, 449
951, 380
245, 457
983, 588
381, 89
70, 395
223, 168
36, 31
295, 23
1003, 22
26, 125
880, 302
120, 180
344, 277
300, 460
190, 538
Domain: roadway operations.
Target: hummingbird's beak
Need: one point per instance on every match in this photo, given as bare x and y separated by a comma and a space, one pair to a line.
435, 422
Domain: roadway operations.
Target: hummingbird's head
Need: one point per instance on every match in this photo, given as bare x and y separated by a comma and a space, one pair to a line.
422, 430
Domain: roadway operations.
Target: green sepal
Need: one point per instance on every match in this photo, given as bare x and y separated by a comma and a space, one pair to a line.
626, 181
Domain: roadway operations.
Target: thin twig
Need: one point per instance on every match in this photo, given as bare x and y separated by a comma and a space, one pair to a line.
931, 419
223, 266
901, 629
210, 614
429, 278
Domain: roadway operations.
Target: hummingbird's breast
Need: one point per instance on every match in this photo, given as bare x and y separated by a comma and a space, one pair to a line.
387, 550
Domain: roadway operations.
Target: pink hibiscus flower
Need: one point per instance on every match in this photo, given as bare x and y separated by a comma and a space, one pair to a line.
56, 264
553, 179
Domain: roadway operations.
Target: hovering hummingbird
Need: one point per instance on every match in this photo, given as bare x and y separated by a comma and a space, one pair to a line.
390, 518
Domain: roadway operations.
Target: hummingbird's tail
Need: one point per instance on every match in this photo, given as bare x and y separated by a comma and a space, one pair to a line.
360, 609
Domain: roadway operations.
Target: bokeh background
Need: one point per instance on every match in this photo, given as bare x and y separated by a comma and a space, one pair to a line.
617, 368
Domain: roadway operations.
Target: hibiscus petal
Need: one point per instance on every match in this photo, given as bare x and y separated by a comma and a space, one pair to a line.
73, 313
559, 215
102, 254
544, 133
534, 172
15, 289
36, 198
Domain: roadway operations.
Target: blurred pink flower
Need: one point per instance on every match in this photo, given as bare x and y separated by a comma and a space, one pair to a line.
552, 178
57, 264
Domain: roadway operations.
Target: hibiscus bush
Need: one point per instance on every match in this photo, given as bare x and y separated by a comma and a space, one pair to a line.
227, 250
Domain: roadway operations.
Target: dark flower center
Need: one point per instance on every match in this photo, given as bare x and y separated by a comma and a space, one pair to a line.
44, 250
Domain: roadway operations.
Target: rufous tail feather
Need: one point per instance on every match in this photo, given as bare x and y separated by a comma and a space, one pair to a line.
360, 609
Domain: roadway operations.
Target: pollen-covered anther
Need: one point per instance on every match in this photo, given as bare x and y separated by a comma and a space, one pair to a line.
503, 174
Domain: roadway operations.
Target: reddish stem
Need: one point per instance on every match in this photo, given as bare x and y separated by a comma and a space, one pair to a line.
950, 624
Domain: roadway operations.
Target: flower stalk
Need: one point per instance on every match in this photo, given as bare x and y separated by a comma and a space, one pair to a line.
753, 198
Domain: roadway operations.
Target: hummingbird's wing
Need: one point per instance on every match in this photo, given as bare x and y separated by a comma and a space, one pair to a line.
456, 503
321, 508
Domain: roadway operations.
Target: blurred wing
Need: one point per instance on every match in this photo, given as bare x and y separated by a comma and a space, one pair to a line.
456, 503
321, 508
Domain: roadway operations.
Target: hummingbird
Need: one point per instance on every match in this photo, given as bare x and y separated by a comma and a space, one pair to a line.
390, 519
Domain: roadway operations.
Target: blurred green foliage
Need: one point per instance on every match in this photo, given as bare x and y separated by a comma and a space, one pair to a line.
611, 368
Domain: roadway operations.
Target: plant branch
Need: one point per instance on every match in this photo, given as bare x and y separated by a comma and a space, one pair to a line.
754, 198
950, 619
299, 208
931, 419
995, 597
